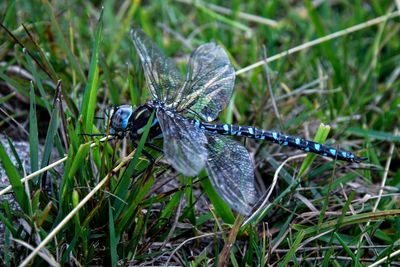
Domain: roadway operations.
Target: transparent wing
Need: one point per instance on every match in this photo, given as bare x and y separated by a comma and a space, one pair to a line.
162, 76
231, 172
209, 82
184, 145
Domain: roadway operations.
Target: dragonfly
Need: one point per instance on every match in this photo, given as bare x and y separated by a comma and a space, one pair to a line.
185, 109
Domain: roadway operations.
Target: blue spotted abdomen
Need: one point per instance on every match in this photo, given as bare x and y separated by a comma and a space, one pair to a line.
281, 139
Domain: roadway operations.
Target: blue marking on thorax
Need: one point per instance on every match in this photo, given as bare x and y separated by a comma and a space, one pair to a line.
333, 151
285, 143
317, 147
226, 127
344, 154
297, 141
197, 123
275, 136
306, 149
155, 121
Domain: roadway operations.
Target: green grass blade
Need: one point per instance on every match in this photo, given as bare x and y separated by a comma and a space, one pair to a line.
73, 167
134, 92
44, 63
228, 21
112, 88
126, 217
6, 98
372, 134
291, 253
15, 154
90, 96
62, 43
348, 220
327, 47
123, 28
320, 137
15, 181
51, 133
347, 249
33, 132
38, 82
122, 188
10, 18
113, 241
9, 224
7, 247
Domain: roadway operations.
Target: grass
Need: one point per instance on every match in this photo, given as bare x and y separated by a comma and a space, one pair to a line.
107, 205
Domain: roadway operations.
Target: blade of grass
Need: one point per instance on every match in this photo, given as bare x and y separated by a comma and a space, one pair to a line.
15, 181
113, 241
112, 88
293, 249
38, 82
89, 98
326, 48
33, 132
372, 134
62, 43
10, 17
223, 19
122, 29
126, 217
45, 63
51, 133
76, 163
348, 220
320, 137
15, 154
5, 98
347, 249
9, 224
338, 225
123, 185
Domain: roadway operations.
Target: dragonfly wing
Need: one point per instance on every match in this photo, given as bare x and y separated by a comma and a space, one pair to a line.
162, 76
209, 82
231, 172
184, 145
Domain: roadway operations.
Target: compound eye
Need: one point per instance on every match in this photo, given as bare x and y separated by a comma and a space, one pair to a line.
120, 118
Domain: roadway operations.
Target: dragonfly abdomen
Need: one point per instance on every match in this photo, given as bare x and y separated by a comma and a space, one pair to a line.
279, 138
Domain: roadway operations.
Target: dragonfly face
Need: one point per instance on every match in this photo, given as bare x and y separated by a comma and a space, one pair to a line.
119, 119
127, 120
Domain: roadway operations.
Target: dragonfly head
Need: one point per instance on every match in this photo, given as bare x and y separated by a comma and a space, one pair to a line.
119, 119
126, 119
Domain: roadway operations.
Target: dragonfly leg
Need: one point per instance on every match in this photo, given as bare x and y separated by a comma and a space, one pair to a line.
147, 155
154, 147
